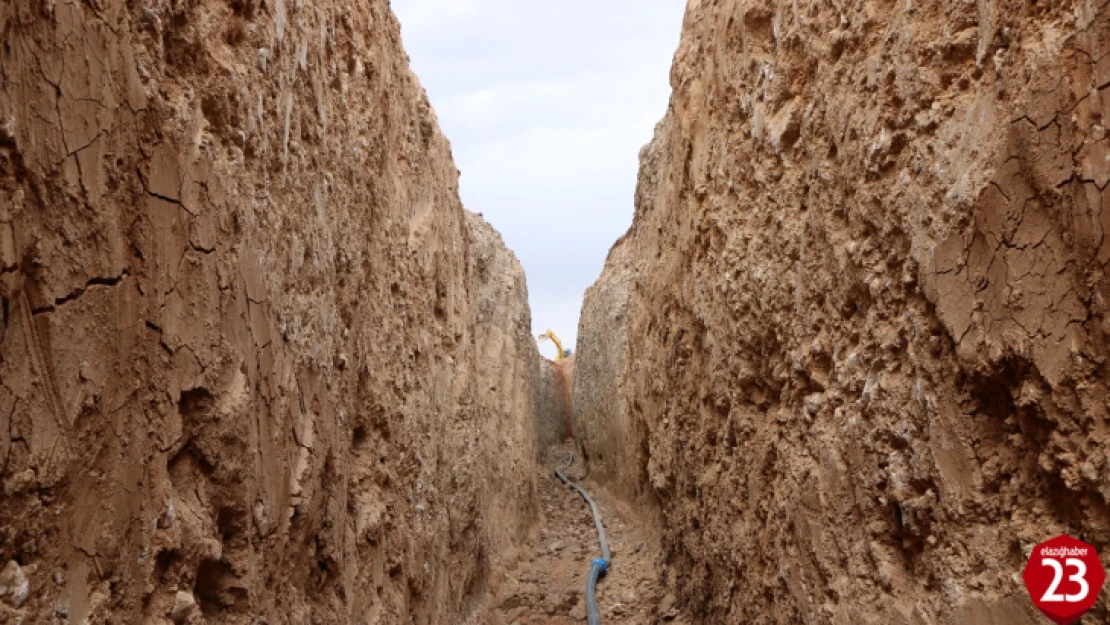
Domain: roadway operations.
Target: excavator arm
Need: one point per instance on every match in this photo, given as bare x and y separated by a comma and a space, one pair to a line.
550, 336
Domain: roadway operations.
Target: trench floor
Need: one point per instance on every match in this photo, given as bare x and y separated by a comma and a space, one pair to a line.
547, 583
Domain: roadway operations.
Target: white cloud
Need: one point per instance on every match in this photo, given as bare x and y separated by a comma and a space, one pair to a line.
428, 14
548, 157
487, 107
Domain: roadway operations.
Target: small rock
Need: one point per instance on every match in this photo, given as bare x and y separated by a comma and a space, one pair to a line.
628, 596
19, 482
813, 404
168, 516
666, 608
578, 612
183, 604
261, 519
14, 586
555, 547
100, 596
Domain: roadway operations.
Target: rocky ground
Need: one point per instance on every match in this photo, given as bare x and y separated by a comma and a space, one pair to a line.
546, 585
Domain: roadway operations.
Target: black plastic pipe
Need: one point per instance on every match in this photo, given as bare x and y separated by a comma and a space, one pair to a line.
599, 565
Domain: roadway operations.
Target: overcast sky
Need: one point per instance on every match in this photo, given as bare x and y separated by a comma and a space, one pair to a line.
546, 105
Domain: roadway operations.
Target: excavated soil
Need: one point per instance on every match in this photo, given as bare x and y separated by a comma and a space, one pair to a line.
546, 584
551, 406
257, 364
854, 345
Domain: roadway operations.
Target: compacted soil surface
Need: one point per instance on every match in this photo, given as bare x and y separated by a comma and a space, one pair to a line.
546, 585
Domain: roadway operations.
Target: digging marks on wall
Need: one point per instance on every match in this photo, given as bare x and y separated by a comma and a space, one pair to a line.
204, 256
865, 357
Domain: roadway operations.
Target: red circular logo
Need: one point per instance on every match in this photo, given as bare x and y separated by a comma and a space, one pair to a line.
1064, 576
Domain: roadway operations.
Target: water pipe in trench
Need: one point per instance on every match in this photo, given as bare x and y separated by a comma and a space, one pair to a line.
598, 566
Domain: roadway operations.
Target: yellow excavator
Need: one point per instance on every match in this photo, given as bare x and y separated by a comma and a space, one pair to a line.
562, 380
550, 336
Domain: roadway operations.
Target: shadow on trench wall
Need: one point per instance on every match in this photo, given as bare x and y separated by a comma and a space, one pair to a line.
552, 411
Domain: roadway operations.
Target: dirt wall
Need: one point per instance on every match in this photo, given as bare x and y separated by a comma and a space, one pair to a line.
865, 365
244, 363
599, 396
552, 402
506, 383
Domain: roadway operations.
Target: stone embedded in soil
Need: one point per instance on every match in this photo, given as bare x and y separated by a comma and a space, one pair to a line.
14, 585
183, 604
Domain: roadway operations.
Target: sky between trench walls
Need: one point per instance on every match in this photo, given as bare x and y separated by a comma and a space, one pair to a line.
546, 106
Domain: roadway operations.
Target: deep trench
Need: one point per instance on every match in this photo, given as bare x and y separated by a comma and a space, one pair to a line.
259, 365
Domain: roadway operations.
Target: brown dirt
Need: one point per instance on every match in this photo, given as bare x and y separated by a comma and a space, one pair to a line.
601, 417
861, 314
552, 410
256, 363
546, 584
